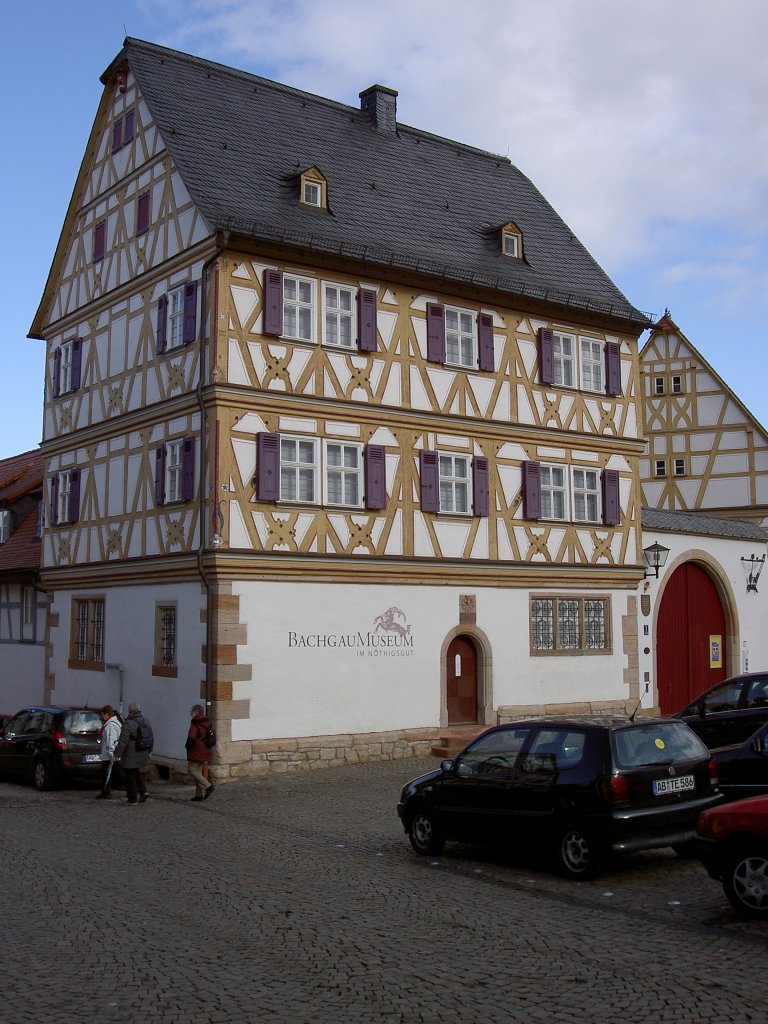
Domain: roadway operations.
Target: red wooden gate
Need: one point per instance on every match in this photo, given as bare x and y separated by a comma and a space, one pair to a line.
690, 617
461, 697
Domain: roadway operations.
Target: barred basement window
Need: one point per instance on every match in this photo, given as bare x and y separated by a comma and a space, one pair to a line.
88, 632
167, 636
569, 625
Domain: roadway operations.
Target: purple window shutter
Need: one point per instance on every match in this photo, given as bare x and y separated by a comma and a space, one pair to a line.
99, 241
435, 334
612, 369
55, 499
162, 323
117, 135
160, 475
546, 356
77, 362
74, 496
430, 489
56, 381
611, 507
485, 358
130, 119
375, 476
187, 468
480, 485
268, 467
531, 490
142, 214
273, 302
366, 320
190, 312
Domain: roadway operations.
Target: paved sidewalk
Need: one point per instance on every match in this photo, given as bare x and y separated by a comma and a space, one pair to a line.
297, 900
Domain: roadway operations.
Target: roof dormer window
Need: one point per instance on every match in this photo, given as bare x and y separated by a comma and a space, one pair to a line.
512, 241
313, 189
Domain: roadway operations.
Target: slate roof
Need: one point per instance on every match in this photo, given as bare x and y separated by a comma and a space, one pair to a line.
401, 198
674, 521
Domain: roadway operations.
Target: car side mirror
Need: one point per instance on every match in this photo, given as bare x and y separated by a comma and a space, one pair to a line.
447, 766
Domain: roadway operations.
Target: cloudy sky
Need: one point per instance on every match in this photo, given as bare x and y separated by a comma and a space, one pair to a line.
643, 123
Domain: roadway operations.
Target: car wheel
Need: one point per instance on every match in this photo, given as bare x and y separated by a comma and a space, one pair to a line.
577, 854
42, 776
425, 834
745, 881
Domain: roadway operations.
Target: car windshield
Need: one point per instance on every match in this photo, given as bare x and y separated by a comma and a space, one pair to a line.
655, 743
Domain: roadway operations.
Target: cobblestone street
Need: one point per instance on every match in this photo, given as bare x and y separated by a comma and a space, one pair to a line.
298, 899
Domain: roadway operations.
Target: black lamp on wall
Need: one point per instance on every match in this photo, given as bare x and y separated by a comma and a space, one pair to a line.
655, 556
752, 567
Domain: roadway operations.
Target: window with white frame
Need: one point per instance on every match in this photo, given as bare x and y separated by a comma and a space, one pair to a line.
88, 631
569, 625
65, 367
592, 364
173, 470
339, 316
511, 244
679, 467
564, 356
62, 497
298, 308
460, 337
298, 469
343, 473
659, 467
658, 386
677, 384
586, 495
312, 193
5, 525
554, 492
454, 478
176, 318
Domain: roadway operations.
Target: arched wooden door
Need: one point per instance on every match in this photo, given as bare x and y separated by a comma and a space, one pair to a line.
461, 693
691, 616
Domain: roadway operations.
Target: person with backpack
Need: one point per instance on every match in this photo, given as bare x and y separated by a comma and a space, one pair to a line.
132, 751
201, 739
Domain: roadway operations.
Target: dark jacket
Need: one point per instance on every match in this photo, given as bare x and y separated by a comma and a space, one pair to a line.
126, 751
196, 748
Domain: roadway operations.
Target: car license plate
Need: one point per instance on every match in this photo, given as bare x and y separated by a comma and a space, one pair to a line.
676, 784
88, 758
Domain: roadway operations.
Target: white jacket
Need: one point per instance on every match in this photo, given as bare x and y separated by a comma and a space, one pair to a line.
110, 734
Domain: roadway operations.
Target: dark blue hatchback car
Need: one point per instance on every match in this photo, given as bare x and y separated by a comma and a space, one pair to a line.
576, 789
46, 745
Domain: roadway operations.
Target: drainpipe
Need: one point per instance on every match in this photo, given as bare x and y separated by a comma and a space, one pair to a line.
224, 241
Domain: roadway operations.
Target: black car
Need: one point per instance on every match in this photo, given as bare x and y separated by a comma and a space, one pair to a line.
743, 767
730, 711
576, 789
46, 745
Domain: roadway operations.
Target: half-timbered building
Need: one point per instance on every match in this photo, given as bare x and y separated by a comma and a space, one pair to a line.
342, 428
23, 603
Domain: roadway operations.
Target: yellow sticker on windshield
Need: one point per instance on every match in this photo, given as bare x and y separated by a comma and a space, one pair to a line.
660, 744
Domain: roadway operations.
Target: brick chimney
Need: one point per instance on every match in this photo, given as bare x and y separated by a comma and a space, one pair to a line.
380, 104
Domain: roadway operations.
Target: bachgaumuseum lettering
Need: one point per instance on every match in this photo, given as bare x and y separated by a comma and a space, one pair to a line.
370, 641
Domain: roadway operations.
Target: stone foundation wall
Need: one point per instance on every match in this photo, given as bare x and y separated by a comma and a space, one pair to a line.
597, 707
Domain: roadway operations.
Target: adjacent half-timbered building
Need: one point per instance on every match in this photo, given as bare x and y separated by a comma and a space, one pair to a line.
706, 451
342, 428
23, 604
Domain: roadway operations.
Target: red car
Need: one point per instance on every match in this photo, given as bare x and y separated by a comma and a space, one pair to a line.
732, 844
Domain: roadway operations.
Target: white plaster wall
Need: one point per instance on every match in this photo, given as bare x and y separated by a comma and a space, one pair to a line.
21, 675
129, 640
306, 681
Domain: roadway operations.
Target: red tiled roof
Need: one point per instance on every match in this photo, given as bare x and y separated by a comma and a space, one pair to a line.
19, 475
22, 549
